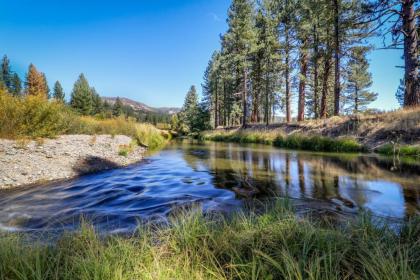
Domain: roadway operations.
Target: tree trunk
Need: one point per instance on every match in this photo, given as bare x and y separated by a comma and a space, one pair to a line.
325, 86
315, 63
412, 93
302, 83
255, 106
216, 106
225, 105
267, 105
287, 72
337, 59
356, 100
245, 103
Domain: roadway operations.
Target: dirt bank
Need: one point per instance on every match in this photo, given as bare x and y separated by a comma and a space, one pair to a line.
372, 131
29, 162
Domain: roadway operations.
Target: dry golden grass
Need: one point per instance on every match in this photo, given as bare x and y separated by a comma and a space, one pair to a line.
400, 127
32, 117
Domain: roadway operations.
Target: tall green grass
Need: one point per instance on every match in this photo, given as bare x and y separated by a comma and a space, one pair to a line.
295, 141
404, 150
272, 245
318, 144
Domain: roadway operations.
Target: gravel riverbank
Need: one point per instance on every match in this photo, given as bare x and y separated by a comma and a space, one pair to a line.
68, 156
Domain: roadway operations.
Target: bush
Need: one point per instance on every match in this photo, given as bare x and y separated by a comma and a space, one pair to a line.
33, 117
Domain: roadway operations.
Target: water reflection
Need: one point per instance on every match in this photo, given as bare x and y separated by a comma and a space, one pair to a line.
350, 182
218, 177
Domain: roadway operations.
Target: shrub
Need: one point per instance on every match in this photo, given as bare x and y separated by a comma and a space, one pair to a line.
31, 116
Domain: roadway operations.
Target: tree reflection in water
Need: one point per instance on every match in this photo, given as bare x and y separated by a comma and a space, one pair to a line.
349, 182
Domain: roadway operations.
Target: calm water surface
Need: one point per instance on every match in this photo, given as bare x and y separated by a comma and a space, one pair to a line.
216, 176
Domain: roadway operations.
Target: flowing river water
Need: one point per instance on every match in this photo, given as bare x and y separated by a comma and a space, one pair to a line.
217, 177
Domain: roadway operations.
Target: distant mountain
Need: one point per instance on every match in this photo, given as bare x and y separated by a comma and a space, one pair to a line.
138, 106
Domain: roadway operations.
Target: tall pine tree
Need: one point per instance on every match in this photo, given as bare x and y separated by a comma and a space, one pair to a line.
58, 92
240, 42
16, 85
117, 109
359, 81
6, 73
190, 111
81, 96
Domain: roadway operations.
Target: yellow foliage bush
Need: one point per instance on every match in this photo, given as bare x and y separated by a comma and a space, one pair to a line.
31, 116
34, 117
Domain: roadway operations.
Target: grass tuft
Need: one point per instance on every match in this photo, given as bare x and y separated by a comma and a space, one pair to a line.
271, 245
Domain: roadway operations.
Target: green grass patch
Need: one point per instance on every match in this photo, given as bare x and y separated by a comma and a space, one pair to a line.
405, 150
278, 139
272, 245
318, 144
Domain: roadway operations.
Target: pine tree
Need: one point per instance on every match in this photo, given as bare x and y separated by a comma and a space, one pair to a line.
81, 96
267, 61
117, 109
359, 81
58, 92
16, 85
189, 112
211, 91
36, 83
287, 9
47, 88
399, 94
98, 105
240, 41
6, 74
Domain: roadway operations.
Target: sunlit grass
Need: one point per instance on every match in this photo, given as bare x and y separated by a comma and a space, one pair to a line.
404, 150
280, 139
272, 245
144, 134
30, 117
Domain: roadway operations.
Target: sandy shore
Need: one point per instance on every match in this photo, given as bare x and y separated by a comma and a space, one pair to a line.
68, 156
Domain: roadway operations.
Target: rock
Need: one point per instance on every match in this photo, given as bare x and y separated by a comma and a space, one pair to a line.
11, 152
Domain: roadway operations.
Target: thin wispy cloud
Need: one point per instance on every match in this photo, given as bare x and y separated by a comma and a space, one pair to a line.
215, 17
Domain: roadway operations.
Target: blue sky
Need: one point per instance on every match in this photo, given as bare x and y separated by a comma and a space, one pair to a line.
147, 50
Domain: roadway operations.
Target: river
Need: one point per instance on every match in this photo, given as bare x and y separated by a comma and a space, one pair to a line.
216, 177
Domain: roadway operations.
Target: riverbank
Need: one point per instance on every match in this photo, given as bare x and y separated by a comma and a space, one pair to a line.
26, 162
388, 133
271, 245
